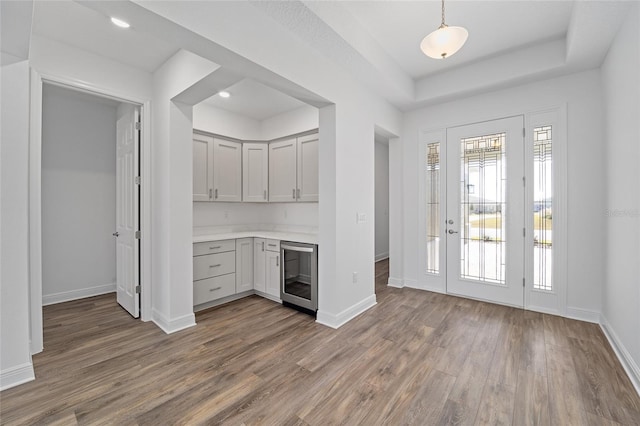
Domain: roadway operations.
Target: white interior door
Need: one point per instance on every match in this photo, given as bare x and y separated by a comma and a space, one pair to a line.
485, 211
127, 207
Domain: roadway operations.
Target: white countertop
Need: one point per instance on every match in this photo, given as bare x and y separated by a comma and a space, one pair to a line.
274, 235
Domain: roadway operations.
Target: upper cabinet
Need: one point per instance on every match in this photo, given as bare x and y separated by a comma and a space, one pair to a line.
282, 171
217, 169
293, 169
307, 189
227, 170
202, 167
255, 172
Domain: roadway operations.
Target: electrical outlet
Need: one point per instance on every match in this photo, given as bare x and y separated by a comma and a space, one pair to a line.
355, 277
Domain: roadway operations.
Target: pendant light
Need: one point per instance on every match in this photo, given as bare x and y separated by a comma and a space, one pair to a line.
445, 41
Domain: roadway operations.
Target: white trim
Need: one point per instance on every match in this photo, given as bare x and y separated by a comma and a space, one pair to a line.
543, 310
35, 214
583, 315
627, 361
395, 282
35, 206
338, 320
223, 300
81, 293
381, 256
268, 296
424, 286
173, 325
17, 375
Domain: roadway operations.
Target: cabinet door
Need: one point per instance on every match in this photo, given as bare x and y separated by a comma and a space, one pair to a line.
202, 167
307, 189
227, 170
255, 172
244, 265
259, 265
273, 273
282, 171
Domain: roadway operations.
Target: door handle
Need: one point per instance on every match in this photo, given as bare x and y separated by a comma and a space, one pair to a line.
116, 234
451, 231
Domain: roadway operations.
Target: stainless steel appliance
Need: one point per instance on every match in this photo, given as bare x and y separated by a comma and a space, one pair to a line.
299, 276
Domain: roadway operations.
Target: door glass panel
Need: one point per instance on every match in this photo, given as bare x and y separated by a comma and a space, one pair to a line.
433, 207
542, 208
483, 208
297, 270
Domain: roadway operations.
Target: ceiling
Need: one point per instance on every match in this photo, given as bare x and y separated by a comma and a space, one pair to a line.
84, 28
254, 100
510, 43
494, 27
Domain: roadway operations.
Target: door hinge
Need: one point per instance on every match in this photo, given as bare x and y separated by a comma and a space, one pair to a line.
138, 180
524, 232
138, 235
138, 289
138, 125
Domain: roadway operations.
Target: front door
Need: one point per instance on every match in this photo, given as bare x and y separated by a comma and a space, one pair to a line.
127, 207
484, 223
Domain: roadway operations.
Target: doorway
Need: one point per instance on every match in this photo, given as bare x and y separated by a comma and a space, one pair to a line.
484, 222
381, 211
90, 197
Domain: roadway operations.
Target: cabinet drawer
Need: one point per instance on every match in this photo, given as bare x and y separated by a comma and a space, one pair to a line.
272, 245
213, 247
213, 288
212, 265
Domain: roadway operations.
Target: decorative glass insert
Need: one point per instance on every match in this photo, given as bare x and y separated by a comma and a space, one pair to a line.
542, 208
483, 208
433, 207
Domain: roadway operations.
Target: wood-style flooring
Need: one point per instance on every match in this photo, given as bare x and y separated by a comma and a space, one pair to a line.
415, 358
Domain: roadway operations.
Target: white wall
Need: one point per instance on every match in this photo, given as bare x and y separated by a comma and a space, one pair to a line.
288, 123
586, 237
382, 200
15, 355
78, 195
621, 290
215, 120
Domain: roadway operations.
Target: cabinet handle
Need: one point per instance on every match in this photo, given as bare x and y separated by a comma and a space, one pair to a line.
215, 266
216, 195
215, 289
271, 245
215, 248
263, 246
293, 195
265, 194
277, 260
210, 193
298, 193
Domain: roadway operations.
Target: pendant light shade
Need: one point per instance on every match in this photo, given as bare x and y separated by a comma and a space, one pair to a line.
445, 41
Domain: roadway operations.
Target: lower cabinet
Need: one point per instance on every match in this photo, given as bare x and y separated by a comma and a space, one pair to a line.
225, 268
259, 265
244, 265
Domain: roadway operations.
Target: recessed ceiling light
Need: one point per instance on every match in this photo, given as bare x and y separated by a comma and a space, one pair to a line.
120, 23
224, 94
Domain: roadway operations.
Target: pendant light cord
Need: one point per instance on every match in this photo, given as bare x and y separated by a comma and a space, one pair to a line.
443, 24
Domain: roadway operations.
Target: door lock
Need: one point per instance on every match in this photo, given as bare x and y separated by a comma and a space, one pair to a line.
116, 234
450, 221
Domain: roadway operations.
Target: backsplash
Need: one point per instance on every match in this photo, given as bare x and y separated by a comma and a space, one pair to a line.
233, 217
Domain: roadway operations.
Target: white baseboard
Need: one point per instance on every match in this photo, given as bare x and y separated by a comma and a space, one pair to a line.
423, 286
17, 375
628, 363
395, 282
583, 315
67, 296
173, 325
382, 256
338, 320
543, 310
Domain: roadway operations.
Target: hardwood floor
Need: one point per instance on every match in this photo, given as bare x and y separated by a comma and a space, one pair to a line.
415, 358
